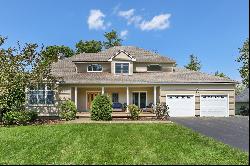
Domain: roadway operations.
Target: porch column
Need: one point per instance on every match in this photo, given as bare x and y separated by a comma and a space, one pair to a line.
76, 97
127, 97
154, 95
102, 90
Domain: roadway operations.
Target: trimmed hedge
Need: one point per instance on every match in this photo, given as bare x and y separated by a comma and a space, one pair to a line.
67, 110
101, 108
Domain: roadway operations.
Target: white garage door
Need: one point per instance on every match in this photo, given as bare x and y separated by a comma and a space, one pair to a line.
181, 105
214, 105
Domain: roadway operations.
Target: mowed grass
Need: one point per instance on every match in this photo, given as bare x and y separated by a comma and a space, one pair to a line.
112, 144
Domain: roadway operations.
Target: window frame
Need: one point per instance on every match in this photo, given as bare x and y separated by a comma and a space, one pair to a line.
92, 68
117, 97
45, 91
122, 68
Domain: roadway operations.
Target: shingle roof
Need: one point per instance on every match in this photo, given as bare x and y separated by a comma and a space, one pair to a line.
141, 55
67, 70
243, 97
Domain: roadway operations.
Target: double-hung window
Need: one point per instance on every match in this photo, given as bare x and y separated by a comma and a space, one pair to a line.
121, 68
95, 68
41, 94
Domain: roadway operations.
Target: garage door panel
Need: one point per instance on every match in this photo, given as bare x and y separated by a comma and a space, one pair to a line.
214, 105
181, 105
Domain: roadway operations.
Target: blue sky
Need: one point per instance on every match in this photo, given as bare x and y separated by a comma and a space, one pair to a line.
213, 30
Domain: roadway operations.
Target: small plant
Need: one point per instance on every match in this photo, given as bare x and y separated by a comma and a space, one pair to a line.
134, 111
101, 108
244, 111
161, 111
67, 110
124, 106
19, 117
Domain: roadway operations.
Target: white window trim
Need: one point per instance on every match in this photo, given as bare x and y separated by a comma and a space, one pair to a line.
94, 71
122, 73
139, 100
46, 93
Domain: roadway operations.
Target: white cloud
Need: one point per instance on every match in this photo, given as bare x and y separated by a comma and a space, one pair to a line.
130, 16
96, 20
159, 22
116, 8
124, 34
126, 14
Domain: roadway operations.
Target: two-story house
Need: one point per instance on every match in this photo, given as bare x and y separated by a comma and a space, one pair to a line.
133, 75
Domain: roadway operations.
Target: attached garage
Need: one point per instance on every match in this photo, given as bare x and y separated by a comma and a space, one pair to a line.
181, 105
214, 105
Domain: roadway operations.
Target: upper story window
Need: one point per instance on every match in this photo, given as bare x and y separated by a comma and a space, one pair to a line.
41, 94
154, 67
121, 68
95, 68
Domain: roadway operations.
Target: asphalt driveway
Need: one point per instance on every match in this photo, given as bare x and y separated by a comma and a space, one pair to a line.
230, 130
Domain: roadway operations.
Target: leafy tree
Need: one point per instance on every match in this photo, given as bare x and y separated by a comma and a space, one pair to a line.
20, 67
91, 46
112, 39
244, 60
217, 73
239, 88
194, 64
51, 53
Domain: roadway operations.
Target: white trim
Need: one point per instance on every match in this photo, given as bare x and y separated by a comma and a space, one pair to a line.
94, 71
139, 100
216, 95
102, 90
188, 94
123, 63
117, 53
127, 98
155, 94
86, 95
76, 97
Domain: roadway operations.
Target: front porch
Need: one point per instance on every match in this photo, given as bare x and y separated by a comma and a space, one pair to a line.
142, 96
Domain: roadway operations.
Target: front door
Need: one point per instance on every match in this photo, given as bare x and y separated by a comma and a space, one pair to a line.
90, 97
139, 99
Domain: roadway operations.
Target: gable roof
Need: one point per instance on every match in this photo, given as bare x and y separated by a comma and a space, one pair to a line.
122, 51
243, 97
141, 55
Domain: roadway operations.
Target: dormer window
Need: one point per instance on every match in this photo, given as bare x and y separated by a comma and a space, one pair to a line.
154, 67
121, 68
95, 68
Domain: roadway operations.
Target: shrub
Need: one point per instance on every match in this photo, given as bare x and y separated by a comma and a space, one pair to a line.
101, 108
161, 111
134, 111
19, 117
67, 110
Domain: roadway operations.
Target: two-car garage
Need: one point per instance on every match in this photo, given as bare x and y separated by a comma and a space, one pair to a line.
210, 105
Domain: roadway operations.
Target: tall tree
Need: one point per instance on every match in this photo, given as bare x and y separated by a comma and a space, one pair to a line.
112, 39
91, 46
243, 58
52, 53
21, 67
194, 64
217, 73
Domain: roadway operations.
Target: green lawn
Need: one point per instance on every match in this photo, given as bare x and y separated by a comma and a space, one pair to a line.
112, 144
